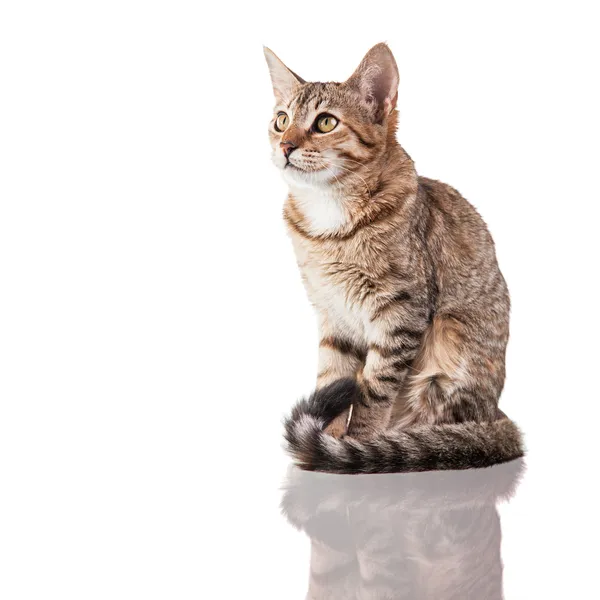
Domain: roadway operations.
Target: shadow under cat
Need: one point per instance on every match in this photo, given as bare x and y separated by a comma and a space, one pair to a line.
433, 535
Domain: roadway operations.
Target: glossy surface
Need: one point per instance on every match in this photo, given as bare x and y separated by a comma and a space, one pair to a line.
424, 535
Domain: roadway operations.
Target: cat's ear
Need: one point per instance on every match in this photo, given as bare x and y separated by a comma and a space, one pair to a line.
284, 80
377, 79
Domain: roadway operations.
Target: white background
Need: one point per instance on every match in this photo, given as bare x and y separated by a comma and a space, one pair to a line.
153, 326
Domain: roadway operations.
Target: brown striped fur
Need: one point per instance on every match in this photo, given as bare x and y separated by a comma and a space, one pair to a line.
413, 309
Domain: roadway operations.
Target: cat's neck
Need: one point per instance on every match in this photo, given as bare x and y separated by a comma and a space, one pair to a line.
339, 209
323, 211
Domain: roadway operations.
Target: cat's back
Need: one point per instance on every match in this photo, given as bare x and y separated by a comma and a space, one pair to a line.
451, 222
449, 208
459, 243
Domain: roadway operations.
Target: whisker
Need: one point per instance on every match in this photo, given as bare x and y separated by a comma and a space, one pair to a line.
358, 162
339, 182
355, 175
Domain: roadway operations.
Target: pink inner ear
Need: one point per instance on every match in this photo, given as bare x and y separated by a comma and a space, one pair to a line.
383, 85
377, 77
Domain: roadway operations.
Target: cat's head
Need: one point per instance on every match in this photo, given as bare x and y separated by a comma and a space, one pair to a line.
320, 133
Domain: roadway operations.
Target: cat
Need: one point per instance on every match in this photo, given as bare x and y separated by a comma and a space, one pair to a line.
413, 311
420, 535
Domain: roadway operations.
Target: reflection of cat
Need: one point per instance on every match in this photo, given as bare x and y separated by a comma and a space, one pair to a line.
433, 536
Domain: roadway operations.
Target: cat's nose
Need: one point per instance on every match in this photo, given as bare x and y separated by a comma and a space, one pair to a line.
287, 147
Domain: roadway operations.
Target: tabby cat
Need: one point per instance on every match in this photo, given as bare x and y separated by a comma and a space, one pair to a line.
413, 310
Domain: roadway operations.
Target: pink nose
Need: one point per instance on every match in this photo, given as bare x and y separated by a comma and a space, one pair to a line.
287, 147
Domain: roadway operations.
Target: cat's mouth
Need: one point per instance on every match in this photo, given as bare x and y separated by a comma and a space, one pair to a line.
289, 165
308, 174
294, 167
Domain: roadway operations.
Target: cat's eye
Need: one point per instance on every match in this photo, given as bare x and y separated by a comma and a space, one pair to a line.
325, 123
282, 122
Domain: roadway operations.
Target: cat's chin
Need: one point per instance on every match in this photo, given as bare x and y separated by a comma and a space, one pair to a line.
294, 176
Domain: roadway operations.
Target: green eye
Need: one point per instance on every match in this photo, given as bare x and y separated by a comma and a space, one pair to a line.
282, 122
326, 123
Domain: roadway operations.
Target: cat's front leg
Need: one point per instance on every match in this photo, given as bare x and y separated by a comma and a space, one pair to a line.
393, 344
339, 359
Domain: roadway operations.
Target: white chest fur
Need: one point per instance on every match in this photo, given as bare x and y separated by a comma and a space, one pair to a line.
322, 208
331, 296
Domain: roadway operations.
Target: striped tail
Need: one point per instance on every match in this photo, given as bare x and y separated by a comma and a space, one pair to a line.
467, 445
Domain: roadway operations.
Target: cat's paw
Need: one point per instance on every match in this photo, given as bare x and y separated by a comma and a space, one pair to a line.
339, 426
362, 433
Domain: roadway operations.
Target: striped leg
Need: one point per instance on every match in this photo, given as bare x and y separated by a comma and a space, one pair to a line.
339, 359
388, 363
